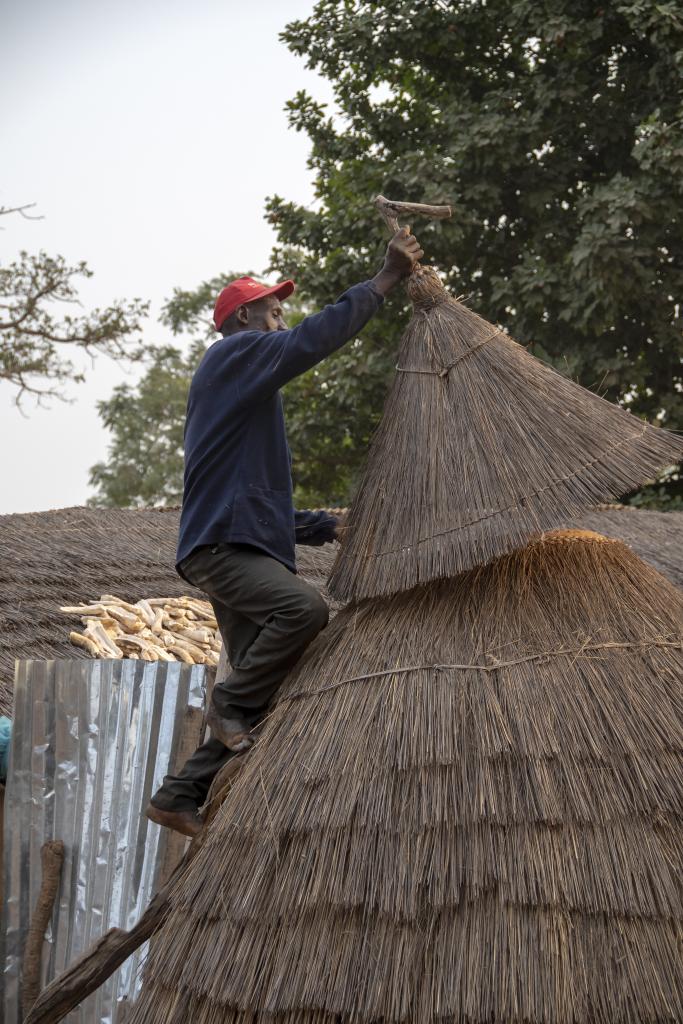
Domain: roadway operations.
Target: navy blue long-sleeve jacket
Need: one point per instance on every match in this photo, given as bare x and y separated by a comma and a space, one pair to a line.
238, 482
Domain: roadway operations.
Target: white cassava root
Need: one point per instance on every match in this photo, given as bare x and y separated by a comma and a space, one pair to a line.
155, 629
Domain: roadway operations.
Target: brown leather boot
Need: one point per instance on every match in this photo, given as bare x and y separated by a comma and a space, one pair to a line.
188, 823
234, 733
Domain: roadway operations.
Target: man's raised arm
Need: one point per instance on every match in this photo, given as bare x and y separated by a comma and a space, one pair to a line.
275, 357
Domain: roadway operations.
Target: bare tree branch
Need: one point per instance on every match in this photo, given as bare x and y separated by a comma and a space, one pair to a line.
32, 338
4, 210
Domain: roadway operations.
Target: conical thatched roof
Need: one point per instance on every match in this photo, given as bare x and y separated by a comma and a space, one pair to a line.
467, 806
69, 555
481, 446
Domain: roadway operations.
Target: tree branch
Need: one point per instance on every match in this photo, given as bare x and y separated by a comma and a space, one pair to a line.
31, 336
4, 210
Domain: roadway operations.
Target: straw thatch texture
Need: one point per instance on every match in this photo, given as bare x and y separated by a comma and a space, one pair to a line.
498, 843
480, 447
66, 556
656, 537
48, 559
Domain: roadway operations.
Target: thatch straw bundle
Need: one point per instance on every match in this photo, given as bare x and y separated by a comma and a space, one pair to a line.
467, 806
480, 447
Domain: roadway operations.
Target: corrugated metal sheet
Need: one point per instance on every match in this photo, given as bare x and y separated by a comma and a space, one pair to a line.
92, 741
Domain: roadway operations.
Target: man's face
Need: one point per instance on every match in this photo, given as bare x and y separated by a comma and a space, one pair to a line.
265, 315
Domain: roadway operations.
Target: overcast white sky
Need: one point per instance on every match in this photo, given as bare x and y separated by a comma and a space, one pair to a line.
148, 133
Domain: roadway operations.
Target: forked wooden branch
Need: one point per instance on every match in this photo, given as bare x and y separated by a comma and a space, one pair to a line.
391, 210
91, 970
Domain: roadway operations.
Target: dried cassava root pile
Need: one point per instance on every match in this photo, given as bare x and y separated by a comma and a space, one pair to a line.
158, 629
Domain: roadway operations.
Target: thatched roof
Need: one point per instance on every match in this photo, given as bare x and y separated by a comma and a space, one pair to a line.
480, 447
466, 806
66, 556
657, 537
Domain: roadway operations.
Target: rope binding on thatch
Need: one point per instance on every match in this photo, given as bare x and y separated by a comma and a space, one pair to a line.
521, 501
493, 664
443, 371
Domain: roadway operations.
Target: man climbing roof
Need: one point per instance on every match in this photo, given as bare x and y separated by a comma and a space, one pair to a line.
238, 526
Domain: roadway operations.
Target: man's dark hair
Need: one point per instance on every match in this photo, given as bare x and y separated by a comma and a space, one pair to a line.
230, 324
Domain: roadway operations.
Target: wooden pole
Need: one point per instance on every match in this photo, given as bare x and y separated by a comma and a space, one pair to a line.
51, 860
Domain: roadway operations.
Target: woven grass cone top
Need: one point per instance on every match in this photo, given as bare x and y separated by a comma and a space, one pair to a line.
497, 839
480, 447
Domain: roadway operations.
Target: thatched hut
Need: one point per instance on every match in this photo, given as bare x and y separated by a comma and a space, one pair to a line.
69, 555
466, 806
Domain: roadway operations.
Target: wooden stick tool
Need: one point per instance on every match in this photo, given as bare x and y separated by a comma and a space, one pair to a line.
391, 210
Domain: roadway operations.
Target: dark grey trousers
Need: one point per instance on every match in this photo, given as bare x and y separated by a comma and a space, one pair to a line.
267, 617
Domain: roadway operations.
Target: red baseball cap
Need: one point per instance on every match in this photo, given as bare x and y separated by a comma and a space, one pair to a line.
244, 290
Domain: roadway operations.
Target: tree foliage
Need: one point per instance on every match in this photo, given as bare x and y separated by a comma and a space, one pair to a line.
144, 463
556, 132
37, 343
